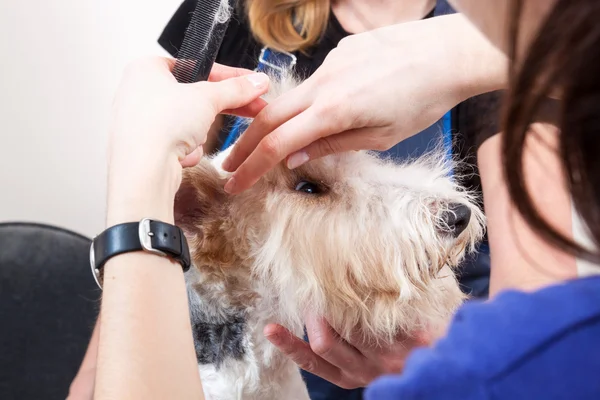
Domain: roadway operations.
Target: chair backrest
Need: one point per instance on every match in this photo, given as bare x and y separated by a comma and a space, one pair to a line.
48, 305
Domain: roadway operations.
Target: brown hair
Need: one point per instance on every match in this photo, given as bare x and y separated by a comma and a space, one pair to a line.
288, 25
563, 57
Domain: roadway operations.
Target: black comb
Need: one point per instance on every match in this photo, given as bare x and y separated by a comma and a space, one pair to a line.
201, 42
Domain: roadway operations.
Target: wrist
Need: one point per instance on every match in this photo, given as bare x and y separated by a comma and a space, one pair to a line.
139, 189
482, 67
134, 210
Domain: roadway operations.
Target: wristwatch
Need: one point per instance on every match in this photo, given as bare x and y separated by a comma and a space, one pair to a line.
148, 235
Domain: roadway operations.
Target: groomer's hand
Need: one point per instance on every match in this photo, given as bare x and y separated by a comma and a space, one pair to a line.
348, 365
374, 90
159, 125
151, 108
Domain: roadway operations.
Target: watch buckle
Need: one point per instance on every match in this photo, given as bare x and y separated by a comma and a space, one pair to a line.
95, 271
145, 233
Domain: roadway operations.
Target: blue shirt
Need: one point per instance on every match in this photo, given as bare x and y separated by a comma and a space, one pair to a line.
543, 345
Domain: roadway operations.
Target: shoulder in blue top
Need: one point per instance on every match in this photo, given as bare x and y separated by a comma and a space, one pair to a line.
542, 345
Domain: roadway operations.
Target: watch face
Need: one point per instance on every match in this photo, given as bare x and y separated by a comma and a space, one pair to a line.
95, 271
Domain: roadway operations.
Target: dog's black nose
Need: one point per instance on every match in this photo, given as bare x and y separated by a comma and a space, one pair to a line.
457, 218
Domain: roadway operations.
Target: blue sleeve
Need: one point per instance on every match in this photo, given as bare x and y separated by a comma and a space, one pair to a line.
502, 349
429, 375
450, 369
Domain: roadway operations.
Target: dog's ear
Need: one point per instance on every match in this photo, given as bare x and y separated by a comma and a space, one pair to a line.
200, 195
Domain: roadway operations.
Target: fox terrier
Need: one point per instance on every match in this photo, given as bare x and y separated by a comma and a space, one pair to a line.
368, 244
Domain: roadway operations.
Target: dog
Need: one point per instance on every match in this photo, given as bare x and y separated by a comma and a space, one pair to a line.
365, 243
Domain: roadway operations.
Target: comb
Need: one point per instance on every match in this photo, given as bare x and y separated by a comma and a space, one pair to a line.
202, 40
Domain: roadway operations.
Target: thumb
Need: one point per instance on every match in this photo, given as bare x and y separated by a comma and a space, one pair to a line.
355, 139
193, 158
238, 92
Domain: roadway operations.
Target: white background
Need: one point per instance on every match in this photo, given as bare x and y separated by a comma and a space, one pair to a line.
61, 61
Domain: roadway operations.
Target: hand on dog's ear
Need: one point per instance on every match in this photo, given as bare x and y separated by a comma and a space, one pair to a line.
200, 195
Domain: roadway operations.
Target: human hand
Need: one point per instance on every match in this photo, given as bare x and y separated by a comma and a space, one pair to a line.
374, 90
347, 365
159, 125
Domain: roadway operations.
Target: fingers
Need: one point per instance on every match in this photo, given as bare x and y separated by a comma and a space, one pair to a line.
390, 360
272, 149
284, 108
154, 66
218, 72
327, 344
248, 111
221, 72
355, 139
169, 62
328, 356
193, 158
300, 352
237, 92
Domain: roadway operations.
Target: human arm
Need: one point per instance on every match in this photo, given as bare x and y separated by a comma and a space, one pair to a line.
374, 90
145, 342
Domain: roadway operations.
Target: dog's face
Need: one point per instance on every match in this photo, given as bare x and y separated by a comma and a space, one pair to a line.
363, 242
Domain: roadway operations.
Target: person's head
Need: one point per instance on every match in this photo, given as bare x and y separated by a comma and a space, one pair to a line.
274, 22
554, 46
293, 25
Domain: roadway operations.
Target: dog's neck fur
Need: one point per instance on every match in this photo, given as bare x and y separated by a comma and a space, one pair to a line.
228, 314
235, 359
368, 246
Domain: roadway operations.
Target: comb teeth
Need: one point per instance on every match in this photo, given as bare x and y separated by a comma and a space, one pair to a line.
201, 43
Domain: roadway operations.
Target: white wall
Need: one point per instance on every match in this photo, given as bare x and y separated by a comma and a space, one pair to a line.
60, 63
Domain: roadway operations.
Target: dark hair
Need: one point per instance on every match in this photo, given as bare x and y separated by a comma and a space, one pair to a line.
564, 58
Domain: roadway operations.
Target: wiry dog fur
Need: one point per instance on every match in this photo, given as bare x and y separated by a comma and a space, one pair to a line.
362, 241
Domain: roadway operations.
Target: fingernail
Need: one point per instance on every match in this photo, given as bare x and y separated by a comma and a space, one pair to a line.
273, 338
230, 185
258, 80
297, 159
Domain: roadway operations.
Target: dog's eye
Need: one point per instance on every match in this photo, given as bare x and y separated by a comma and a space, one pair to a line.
308, 187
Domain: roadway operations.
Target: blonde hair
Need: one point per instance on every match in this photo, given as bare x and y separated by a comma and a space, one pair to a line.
274, 22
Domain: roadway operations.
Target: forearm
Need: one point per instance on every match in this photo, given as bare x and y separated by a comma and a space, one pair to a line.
145, 354
146, 349
476, 66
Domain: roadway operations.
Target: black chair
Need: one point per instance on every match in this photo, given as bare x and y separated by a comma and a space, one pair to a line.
48, 305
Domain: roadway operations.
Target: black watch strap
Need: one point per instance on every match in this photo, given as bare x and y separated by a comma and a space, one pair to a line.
147, 235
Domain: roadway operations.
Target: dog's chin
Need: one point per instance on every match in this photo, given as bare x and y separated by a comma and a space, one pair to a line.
457, 250
380, 316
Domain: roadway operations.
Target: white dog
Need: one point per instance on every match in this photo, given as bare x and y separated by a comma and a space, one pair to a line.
365, 243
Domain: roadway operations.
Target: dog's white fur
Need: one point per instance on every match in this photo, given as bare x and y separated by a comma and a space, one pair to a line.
371, 253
